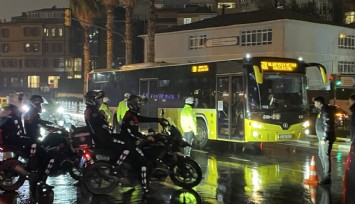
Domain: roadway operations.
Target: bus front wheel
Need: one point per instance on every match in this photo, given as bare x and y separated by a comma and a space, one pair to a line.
201, 139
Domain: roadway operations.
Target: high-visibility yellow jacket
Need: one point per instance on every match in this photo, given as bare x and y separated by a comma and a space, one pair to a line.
188, 120
104, 107
122, 108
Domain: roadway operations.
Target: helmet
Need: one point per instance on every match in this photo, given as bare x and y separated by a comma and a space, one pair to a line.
189, 100
127, 95
106, 100
36, 101
135, 103
91, 97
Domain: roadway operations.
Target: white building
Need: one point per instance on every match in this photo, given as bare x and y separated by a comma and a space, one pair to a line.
277, 33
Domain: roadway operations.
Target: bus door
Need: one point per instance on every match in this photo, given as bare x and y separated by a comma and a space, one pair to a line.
149, 89
230, 107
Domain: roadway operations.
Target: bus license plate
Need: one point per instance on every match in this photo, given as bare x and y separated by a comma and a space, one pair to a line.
285, 136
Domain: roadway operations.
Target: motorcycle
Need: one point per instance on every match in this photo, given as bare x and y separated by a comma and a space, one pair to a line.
102, 176
59, 144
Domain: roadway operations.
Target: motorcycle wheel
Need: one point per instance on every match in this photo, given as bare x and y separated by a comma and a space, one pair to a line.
186, 173
98, 178
185, 196
10, 180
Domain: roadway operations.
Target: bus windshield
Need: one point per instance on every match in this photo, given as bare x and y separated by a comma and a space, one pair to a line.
278, 91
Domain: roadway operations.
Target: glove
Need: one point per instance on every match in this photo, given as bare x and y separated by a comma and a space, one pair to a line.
163, 122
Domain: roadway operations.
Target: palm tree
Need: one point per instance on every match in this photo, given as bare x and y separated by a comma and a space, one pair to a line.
85, 11
109, 5
129, 6
151, 31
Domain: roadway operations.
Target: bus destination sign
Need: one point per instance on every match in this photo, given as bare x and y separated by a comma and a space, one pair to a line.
278, 66
200, 68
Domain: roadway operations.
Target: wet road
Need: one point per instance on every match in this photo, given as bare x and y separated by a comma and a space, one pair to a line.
229, 176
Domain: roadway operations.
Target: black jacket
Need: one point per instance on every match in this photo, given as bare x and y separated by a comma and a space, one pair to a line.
325, 124
130, 126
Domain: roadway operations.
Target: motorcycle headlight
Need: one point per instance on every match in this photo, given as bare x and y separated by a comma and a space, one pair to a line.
306, 124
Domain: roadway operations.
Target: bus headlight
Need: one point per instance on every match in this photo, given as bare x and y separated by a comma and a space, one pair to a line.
306, 124
256, 125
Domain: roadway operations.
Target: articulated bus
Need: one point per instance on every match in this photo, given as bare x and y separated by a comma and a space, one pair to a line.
260, 99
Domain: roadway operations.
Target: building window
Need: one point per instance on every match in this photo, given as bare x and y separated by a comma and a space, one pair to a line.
33, 81
197, 41
78, 64
346, 67
256, 37
31, 47
58, 63
31, 31
53, 81
228, 5
187, 20
45, 63
57, 47
5, 32
60, 32
53, 30
349, 17
16, 82
5, 48
46, 32
346, 41
32, 63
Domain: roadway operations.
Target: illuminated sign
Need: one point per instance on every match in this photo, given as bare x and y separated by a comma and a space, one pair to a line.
200, 68
279, 66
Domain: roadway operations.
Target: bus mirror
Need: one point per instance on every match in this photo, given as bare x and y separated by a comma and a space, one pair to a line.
323, 73
258, 74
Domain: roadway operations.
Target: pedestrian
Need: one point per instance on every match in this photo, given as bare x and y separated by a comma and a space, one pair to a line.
326, 137
188, 123
122, 108
104, 107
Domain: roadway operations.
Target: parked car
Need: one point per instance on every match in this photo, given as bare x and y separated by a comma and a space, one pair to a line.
349, 179
341, 118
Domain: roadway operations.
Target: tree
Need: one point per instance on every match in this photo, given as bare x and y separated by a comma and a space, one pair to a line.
85, 11
129, 6
109, 5
151, 31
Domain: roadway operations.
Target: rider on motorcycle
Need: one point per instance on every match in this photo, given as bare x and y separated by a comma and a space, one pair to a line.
130, 133
12, 127
95, 119
39, 159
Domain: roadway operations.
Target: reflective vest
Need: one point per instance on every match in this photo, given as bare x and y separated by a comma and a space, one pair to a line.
188, 120
122, 108
104, 107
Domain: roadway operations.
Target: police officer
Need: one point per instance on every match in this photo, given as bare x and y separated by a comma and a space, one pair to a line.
130, 133
188, 123
122, 108
104, 107
39, 159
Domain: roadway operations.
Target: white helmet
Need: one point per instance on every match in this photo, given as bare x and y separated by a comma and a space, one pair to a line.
189, 100
127, 95
106, 100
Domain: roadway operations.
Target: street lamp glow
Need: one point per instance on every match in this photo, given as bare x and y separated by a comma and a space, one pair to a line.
300, 58
248, 56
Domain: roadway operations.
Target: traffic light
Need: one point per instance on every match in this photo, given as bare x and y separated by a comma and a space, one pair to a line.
67, 17
335, 79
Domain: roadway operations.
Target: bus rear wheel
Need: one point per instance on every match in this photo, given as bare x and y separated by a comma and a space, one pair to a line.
201, 139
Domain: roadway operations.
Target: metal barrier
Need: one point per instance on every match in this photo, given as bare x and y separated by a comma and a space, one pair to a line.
73, 106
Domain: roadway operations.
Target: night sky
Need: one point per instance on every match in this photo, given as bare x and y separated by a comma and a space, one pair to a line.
11, 8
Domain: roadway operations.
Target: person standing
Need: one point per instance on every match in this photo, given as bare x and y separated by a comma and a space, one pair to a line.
122, 108
326, 137
188, 123
104, 107
352, 119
